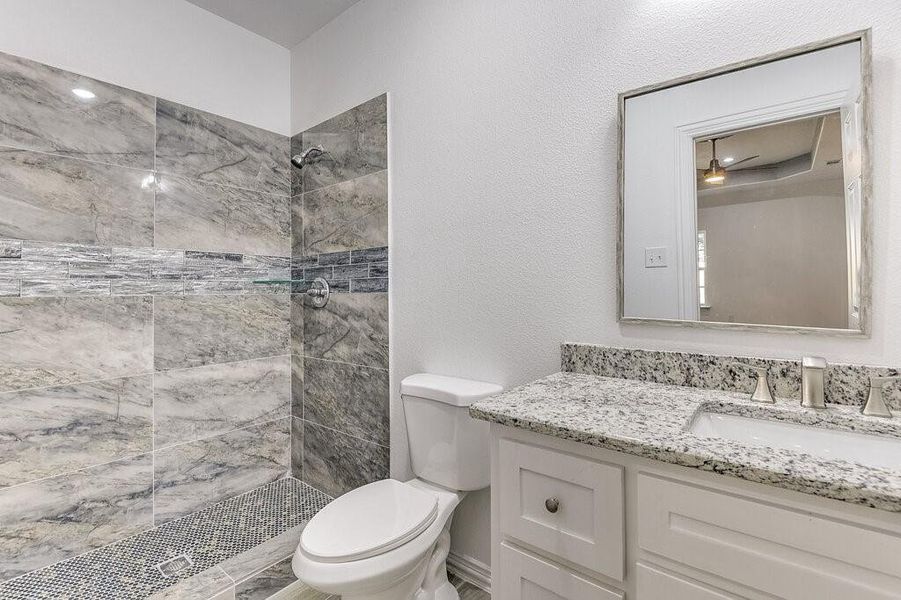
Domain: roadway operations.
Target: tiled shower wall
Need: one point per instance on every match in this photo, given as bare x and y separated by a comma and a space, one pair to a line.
339, 223
143, 373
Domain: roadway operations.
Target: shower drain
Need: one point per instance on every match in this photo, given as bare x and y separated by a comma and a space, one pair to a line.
174, 566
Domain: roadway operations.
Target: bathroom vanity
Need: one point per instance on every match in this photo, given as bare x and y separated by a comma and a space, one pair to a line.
611, 488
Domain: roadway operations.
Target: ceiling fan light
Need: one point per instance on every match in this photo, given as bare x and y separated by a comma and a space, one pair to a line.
715, 175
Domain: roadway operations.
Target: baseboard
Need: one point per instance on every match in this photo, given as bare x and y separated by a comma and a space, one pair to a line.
469, 569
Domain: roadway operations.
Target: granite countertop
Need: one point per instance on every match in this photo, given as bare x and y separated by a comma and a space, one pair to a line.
651, 420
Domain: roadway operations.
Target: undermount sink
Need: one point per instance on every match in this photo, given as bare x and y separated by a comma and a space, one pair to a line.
871, 450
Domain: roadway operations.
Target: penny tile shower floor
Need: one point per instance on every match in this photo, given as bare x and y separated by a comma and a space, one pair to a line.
237, 549
222, 543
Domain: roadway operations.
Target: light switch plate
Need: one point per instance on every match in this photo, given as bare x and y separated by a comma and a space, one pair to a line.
654, 258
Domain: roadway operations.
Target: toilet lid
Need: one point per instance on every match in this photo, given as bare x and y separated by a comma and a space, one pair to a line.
369, 521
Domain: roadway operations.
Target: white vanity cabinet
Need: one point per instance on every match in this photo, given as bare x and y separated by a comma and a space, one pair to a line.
572, 522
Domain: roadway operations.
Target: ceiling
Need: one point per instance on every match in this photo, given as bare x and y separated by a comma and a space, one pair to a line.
285, 22
776, 143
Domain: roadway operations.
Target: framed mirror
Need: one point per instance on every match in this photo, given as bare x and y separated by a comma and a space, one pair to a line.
745, 194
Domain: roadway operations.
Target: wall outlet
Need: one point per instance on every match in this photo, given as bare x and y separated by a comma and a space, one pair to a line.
654, 258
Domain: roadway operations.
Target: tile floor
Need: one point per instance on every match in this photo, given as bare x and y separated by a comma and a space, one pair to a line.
239, 548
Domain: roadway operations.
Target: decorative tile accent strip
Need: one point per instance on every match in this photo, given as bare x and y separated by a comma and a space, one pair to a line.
126, 570
360, 271
55, 269
845, 384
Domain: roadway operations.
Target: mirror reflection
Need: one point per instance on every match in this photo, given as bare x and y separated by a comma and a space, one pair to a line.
742, 196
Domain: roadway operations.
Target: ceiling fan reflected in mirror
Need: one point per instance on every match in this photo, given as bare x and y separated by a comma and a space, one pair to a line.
715, 174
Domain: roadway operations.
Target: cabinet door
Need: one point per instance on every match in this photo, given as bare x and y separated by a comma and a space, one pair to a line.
566, 505
654, 584
784, 552
527, 577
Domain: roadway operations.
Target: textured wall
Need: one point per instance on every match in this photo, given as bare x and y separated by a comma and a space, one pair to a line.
503, 170
143, 375
340, 352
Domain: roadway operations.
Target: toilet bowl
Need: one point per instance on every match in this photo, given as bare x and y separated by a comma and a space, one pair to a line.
389, 540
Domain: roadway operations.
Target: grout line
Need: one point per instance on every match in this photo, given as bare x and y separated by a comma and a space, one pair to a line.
75, 157
138, 374
212, 436
153, 404
331, 185
340, 362
344, 433
71, 472
231, 362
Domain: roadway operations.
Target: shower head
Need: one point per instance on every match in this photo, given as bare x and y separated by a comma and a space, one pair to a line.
307, 157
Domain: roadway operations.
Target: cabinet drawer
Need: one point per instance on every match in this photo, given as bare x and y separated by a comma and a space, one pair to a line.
654, 584
788, 553
527, 577
587, 526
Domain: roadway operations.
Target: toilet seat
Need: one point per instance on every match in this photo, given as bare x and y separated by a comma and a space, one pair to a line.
369, 521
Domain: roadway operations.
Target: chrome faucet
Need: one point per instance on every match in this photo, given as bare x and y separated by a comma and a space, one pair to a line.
876, 406
762, 392
813, 377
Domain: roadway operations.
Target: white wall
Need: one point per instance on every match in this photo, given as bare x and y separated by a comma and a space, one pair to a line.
503, 168
167, 48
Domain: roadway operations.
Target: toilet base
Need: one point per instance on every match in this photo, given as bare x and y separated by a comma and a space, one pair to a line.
428, 579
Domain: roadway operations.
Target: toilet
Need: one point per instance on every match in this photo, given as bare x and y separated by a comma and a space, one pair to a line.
389, 540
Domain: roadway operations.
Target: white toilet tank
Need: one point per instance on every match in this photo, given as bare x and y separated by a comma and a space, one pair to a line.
447, 447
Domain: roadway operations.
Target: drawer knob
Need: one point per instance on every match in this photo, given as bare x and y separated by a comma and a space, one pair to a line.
552, 504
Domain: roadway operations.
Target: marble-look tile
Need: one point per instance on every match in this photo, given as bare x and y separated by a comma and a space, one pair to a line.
272, 580
296, 147
199, 402
203, 216
370, 255
348, 398
297, 447
52, 519
297, 377
206, 147
258, 558
49, 431
297, 226
206, 585
145, 287
337, 463
157, 260
467, 590
347, 216
355, 144
351, 328
40, 112
240, 528
56, 252
369, 286
297, 323
9, 288
20, 268
55, 341
63, 287
191, 476
274, 267
10, 249
60, 199
191, 331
